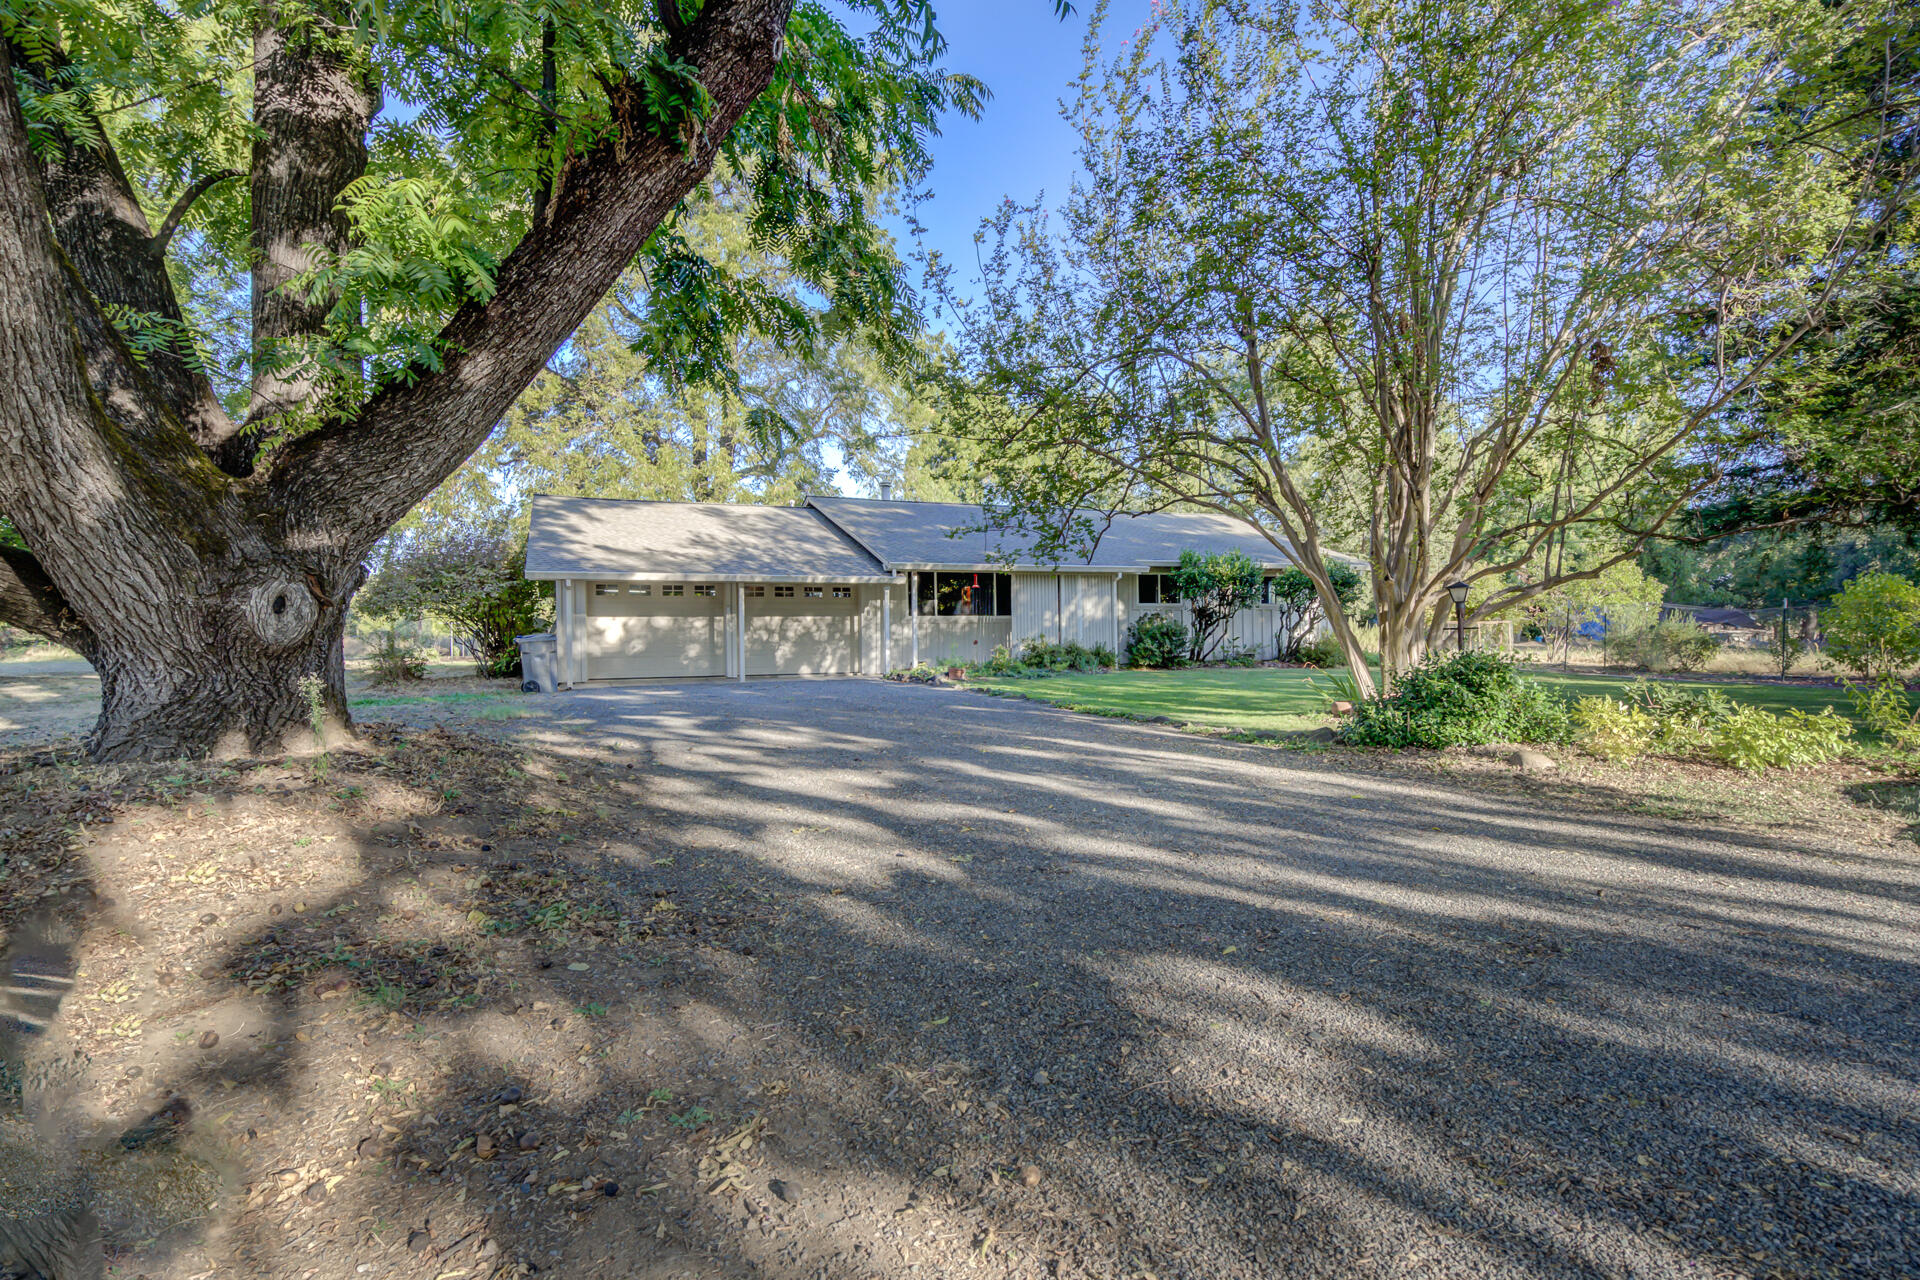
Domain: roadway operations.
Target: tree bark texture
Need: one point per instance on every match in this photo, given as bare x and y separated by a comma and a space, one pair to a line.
311, 106
212, 597
99, 223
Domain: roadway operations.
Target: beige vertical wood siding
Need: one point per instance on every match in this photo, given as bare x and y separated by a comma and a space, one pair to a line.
1064, 607
949, 640
1036, 610
1087, 603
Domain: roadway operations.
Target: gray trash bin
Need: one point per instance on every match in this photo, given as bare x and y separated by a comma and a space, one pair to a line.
539, 661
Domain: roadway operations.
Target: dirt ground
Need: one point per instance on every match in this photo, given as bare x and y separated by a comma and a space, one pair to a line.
638, 988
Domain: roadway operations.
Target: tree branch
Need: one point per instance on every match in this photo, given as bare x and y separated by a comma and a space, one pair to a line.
354, 478
30, 601
98, 223
184, 203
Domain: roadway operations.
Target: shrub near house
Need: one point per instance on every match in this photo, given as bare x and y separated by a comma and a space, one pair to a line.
1457, 700
1156, 640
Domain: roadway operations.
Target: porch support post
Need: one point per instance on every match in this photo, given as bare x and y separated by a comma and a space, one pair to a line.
913, 613
565, 614
886, 628
740, 641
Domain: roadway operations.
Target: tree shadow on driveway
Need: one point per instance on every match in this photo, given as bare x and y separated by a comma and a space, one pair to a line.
892, 956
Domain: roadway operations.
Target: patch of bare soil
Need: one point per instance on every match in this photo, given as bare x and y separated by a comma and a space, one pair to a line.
438, 1008
34, 708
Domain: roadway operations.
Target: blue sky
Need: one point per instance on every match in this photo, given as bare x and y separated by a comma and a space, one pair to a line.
1019, 147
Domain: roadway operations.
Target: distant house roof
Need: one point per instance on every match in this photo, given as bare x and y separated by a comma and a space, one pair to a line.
905, 535
1714, 616
614, 538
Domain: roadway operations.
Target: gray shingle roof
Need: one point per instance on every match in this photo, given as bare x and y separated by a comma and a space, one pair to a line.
918, 533
607, 537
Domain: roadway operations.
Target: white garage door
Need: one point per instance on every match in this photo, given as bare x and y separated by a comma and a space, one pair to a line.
793, 633
655, 629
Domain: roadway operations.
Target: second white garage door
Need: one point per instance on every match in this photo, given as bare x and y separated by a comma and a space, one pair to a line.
792, 633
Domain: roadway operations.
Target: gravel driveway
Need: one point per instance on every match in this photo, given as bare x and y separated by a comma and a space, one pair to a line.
1246, 1015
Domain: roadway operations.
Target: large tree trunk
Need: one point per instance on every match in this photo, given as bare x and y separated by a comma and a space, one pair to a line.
246, 699
210, 593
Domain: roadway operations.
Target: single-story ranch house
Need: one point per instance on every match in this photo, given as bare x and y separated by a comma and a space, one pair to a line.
680, 589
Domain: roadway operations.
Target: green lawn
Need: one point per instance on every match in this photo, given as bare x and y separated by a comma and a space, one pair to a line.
1287, 698
1221, 698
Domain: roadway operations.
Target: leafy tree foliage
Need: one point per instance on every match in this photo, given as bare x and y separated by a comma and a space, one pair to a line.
602, 421
472, 580
1873, 628
1621, 598
1298, 601
1484, 271
1805, 563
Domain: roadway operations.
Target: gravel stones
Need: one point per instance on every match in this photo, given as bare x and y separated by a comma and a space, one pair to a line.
1300, 1016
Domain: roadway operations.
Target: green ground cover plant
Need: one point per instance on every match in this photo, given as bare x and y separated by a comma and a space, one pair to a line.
1295, 698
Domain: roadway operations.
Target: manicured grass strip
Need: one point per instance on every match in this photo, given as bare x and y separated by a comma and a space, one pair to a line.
1292, 698
1771, 697
1226, 699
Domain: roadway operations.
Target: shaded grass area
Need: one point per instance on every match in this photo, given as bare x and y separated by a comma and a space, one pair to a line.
1287, 698
54, 700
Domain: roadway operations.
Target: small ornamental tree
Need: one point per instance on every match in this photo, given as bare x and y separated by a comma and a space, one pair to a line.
1452, 285
472, 582
1214, 588
1873, 628
1294, 594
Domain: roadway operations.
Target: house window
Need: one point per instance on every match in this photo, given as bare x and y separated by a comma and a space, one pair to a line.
966, 595
756, 593
1158, 588
606, 588
783, 593
843, 593
706, 589
673, 589
639, 591
815, 593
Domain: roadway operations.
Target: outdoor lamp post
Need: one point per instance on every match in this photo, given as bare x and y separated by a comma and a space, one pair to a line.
1458, 590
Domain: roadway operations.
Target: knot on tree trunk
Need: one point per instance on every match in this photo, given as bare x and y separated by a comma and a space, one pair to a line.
281, 612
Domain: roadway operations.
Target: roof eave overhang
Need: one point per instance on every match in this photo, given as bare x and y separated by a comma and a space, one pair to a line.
933, 566
617, 575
